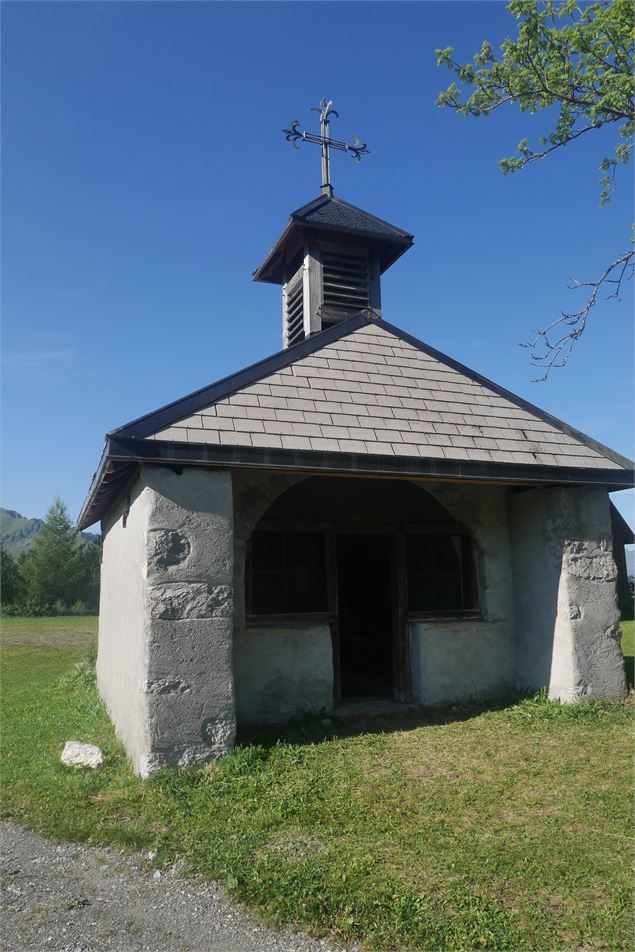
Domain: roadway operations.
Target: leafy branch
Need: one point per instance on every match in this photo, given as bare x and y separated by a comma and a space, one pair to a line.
575, 59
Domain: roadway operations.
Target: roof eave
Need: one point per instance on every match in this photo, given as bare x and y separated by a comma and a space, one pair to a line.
138, 451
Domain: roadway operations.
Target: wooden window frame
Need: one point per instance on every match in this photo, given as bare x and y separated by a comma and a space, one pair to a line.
400, 534
469, 587
402, 618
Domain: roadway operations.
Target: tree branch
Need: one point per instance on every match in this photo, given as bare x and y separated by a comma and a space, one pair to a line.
549, 352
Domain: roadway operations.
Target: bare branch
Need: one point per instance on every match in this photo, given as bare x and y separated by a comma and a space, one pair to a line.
547, 349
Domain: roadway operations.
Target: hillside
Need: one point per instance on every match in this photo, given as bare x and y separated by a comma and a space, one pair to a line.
17, 532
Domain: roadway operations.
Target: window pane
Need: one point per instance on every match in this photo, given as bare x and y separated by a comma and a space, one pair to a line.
306, 572
268, 593
434, 573
288, 572
268, 551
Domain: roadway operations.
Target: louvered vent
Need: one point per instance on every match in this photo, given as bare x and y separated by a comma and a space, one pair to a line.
295, 309
345, 283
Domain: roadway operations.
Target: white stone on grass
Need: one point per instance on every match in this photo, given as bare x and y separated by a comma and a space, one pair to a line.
76, 754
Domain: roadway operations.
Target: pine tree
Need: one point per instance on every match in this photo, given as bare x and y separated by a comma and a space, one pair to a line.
53, 569
11, 584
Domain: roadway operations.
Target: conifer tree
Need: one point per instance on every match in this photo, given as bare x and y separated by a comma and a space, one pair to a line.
11, 583
53, 569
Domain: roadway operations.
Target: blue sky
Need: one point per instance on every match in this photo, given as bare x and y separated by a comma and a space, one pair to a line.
145, 176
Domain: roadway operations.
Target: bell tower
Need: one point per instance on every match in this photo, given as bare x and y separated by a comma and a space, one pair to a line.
330, 257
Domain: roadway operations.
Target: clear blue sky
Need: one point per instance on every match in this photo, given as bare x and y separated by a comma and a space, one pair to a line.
145, 176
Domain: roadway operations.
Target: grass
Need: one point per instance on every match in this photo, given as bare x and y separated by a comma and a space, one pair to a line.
472, 829
68, 631
628, 649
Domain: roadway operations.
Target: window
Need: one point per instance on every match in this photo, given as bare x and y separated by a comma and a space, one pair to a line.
439, 573
286, 573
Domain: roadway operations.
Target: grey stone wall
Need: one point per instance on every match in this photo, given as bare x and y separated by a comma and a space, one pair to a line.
454, 661
567, 620
172, 642
282, 672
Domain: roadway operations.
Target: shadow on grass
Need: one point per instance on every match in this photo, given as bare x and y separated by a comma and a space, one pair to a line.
318, 728
629, 664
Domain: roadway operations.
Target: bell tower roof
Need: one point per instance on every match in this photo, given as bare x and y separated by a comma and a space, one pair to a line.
329, 214
330, 257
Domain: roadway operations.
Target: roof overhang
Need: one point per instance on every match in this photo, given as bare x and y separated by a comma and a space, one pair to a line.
389, 241
122, 457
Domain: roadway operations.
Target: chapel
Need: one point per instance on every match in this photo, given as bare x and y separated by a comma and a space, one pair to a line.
357, 519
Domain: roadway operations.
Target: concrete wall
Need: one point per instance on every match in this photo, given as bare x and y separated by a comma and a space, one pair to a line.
454, 661
282, 672
122, 662
170, 642
565, 597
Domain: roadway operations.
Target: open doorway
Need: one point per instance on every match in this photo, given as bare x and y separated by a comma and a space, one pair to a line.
365, 615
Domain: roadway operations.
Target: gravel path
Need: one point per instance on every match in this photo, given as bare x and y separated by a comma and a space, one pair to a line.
69, 898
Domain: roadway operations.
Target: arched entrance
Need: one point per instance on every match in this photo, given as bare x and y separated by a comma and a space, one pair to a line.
366, 555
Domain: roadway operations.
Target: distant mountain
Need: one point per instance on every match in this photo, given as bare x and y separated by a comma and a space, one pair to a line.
17, 532
630, 560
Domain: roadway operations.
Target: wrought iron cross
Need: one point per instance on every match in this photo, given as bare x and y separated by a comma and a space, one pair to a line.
357, 148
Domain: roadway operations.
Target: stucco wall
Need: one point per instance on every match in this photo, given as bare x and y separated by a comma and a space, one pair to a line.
455, 661
565, 596
123, 625
170, 643
282, 672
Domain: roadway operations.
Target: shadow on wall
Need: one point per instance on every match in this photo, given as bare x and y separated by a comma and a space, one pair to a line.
567, 619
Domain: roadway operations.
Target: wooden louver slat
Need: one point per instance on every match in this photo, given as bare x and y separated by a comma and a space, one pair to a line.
344, 284
295, 311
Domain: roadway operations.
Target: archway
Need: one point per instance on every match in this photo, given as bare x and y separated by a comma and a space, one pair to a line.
368, 556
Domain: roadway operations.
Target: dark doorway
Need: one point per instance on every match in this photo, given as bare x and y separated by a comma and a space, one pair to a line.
365, 615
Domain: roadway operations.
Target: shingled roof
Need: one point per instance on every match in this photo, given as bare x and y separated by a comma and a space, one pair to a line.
367, 397
331, 214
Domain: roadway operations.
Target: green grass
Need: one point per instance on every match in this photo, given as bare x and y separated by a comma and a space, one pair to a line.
500, 829
628, 649
628, 638
78, 631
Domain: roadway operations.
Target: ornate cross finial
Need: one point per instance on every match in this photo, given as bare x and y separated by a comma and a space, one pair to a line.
357, 148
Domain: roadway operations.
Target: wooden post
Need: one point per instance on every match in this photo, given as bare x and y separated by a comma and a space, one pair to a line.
401, 636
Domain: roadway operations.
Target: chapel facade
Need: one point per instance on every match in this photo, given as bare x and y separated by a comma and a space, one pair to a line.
356, 518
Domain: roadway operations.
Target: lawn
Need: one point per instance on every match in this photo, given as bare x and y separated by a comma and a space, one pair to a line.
500, 829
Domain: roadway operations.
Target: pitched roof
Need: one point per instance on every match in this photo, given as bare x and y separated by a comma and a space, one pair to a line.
375, 391
332, 214
329, 211
360, 396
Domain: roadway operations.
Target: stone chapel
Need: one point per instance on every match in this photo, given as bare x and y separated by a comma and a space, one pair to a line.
357, 518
